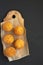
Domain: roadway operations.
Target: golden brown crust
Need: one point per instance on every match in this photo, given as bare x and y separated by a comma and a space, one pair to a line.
8, 39
10, 51
7, 26
19, 30
19, 43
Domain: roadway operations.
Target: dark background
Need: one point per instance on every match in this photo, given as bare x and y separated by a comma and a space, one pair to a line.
32, 11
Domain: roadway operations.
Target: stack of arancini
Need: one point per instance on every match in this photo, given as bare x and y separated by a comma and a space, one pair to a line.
9, 38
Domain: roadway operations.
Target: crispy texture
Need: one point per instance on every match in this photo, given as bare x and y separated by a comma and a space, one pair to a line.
19, 30
19, 43
7, 26
8, 39
10, 52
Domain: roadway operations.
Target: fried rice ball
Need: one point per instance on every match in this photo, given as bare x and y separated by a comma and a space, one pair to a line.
8, 39
7, 26
19, 43
18, 30
10, 51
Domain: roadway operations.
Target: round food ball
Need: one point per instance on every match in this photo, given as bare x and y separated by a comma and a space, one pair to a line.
8, 39
19, 44
7, 26
19, 30
10, 52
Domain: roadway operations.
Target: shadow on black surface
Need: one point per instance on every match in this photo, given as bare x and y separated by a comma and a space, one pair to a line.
4, 59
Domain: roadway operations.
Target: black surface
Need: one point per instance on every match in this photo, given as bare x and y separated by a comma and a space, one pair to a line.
33, 14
